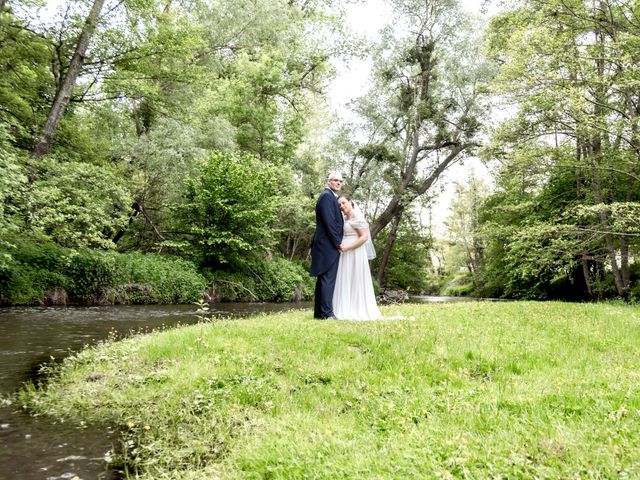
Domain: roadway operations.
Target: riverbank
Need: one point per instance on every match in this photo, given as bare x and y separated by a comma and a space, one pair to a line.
481, 390
34, 273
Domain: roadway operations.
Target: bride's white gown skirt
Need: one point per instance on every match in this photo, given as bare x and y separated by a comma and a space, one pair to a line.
353, 297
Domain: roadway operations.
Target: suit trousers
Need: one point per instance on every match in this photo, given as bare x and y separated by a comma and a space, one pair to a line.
325, 285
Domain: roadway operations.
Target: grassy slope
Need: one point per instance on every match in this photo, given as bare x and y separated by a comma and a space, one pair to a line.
469, 390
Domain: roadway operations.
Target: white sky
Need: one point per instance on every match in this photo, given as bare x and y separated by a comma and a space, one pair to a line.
352, 80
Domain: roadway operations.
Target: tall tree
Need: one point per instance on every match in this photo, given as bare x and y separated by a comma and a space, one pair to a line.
566, 68
423, 112
463, 225
67, 81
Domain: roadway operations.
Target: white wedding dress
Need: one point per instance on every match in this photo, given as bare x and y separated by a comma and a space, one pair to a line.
353, 297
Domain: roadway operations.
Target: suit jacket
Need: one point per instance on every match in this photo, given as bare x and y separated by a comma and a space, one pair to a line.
328, 235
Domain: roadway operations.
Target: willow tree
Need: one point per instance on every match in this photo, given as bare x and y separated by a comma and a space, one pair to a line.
569, 71
422, 114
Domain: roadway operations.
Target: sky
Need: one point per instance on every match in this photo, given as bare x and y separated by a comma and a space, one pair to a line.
352, 80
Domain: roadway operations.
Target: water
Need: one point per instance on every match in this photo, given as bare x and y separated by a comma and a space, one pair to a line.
38, 448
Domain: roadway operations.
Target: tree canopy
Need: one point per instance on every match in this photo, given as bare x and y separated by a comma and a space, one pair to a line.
201, 130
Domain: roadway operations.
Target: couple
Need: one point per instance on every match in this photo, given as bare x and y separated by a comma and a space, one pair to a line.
339, 259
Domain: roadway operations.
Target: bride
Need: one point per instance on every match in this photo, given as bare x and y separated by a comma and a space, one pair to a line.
353, 297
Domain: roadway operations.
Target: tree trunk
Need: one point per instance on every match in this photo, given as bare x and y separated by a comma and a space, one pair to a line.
402, 197
604, 217
63, 92
595, 154
586, 274
632, 167
388, 249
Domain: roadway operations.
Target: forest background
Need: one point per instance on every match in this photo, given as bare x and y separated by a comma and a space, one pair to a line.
152, 151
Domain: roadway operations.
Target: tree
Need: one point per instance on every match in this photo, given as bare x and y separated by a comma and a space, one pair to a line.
423, 113
463, 225
67, 81
12, 189
229, 211
77, 204
566, 67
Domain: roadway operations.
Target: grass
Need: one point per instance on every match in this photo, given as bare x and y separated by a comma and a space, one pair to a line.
465, 390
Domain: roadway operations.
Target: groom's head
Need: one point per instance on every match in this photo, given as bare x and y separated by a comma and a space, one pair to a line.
334, 181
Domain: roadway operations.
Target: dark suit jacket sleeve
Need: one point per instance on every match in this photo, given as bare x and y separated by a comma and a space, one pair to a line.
327, 210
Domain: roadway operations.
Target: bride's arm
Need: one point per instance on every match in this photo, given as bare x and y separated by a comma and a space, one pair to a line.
363, 235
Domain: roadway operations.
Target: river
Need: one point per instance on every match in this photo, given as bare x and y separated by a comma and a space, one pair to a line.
37, 448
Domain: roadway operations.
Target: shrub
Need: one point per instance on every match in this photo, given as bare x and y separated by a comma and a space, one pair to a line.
29, 271
278, 280
169, 279
90, 273
281, 281
89, 276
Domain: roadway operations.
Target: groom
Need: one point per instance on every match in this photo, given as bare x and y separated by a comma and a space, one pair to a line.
325, 249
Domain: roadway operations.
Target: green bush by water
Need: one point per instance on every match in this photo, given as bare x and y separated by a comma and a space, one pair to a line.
513, 390
35, 272
277, 280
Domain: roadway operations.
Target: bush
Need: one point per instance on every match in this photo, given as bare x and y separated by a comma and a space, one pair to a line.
460, 285
90, 273
170, 279
88, 276
29, 271
229, 211
282, 281
276, 280
409, 265
233, 287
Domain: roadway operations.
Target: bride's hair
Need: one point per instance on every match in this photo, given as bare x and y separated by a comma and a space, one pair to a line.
346, 197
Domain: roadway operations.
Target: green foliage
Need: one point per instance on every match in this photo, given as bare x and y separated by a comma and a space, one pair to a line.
564, 220
32, 269
281, 280
536, 241
36, 272
458, 285
12, 187
37, 268
296, 224
409, 265
77, 204
276, 280
90, 273
421, 115
26, 82
229, 210
169, 279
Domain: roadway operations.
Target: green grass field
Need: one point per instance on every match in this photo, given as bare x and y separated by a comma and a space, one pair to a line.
468, 390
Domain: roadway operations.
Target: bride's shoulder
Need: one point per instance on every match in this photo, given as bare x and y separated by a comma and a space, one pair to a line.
358, 222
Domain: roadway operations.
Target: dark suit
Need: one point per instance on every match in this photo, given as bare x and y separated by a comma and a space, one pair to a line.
325, 253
